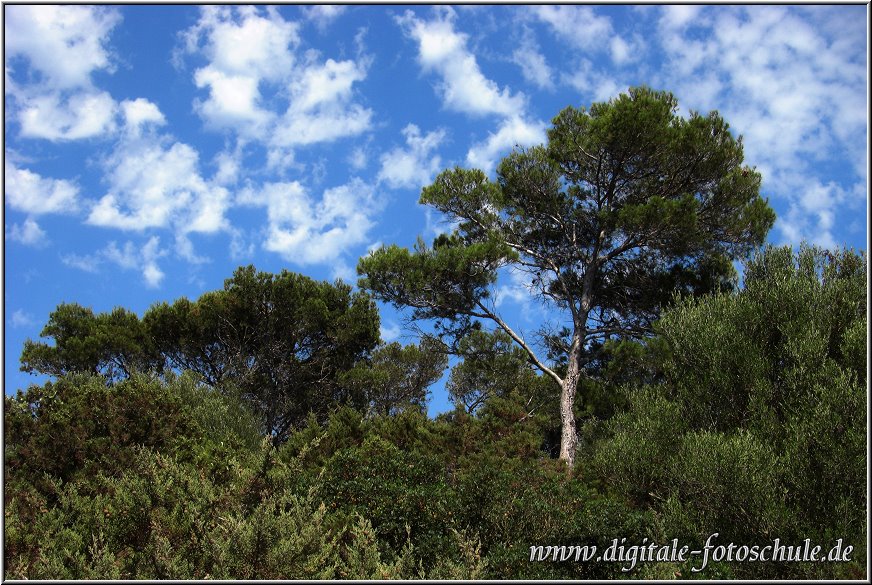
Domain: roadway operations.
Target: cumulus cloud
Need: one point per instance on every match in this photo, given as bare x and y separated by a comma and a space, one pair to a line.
143, 259
679, 15
154, 186
597, 84
586, 31
55, 117
252, 53
244, 40
464, 87
28, 233
245, 48
31, 193
794, 91
534, 67
581, 26
514, 131
62, 47
233, 101
412, 166
139, 112
324, 15
65, 44
308, 231
321, 107
228, 166
156, 183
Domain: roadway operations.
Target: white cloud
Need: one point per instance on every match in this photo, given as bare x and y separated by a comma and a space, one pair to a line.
142, 260
596, 83
304, 231
358, 159
464, 88
139, 112
154, 186
250, 52
140, 198
793, 88
149, 255
679, 15
390, 332
512, 132
578, 25
588, 32
86, 263
233, 102
532, 62
517, 289
128, 257
31, 193
328, 123
245, 48
326, 84
29, 233
22, 319
321, 108
229, 166
812, 212
324, 15
344, 271
412, 167
240, 247
621, 50
243, 40
81, 115
65, 44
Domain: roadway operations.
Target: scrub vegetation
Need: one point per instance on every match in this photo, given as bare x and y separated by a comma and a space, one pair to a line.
265, 431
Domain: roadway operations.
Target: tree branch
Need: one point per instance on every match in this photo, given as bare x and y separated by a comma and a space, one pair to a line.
520, 341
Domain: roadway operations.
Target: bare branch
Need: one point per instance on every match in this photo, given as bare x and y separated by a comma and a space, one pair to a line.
520, 341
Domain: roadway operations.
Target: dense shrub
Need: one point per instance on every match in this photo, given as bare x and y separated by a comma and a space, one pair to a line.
744, 416
758, 428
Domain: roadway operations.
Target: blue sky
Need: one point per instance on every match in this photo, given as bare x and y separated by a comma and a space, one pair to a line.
150, 150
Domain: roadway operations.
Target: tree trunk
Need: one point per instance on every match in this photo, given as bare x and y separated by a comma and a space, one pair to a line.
569, 437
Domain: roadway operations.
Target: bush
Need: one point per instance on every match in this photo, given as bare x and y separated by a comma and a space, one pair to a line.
758, 428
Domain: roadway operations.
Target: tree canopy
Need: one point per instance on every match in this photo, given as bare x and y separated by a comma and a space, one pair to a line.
281, 340
626, 204
744, 413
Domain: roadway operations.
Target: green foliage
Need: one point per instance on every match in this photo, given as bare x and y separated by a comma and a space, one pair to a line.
403, 494
745, 415
280, 341
758, 429
283, 340
395, 377
627, 204
113, 344
201, 497
66, 426
519, 503
447, 281
492, 366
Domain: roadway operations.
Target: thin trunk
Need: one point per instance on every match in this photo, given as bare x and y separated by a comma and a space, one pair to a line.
569, 437
569, 386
